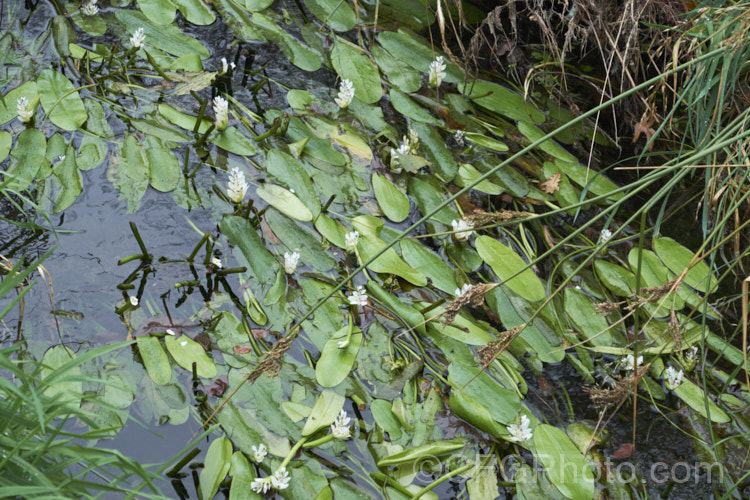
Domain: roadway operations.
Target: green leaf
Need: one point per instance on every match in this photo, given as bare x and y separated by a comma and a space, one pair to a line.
8, 105
237, 20
233, 141
161, 12
196, 12
6, 142
324, 412
164, 170
582, 313
384, 417
167, 38
416, 52
300, 55
66, 172
389, 262
60, 100
154, 359
405, 78
566, 467
443, 162
187, 351
351, 63
502, 405
501, 101
654, 274
284, 201
61, 379
486, 142
257, 5
26, 159
467, 174
414, 455
286, 170
619, 280
217, 463
131, 172
338, 15
241, 234
430, 264
409, 108
505, 263
695, 398
394, 203
677, 258
589, 179
296, 236
182, 120
335, 363
91, 153
534, 133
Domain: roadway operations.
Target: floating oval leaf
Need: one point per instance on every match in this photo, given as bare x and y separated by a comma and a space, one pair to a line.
187, 351
60, 100
394, 203
352, 64
154, 359
326, 409
283, 200
338, 15
217, 462
566, 467
242, 234
413, 455
501, 100
506, 263
335, 363
677, 258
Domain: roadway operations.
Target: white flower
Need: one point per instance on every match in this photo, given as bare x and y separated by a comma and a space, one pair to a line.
24, 113
692, 353
290, 261
170, 332
605, 235
630, 363
358, 297
183, 343
413, 142
437, 71
459, 137
463, 229
280, 480
221, 112
460, 291
217, 263
674, 378
90, 8
260, 452
520, 433
404, 149
236, 186
134, 301
61, 158
261, 485
343, 344
138, 38
346, 93
340, 427
225, 66
352, 239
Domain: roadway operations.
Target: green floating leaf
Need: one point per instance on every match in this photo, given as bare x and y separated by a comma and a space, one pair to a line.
296, 236
501, 101
27, 158
582, 313
384, 417
506, 263
155, 359
60, 100
167, 38
131, 172
287, 170
66, 172
654, 274
63, 34
160, 12
389, 262
352, 64
187, 351
417, 52
338, 15
401, 75
443, 162
327, 407
284, 201
394, 203
486, 142
6, 142
335, 363
242, 234
300, 55
164, 170
534, 133
467, 175
414, 455
257, 5
233, 141
430, 264
217, 463
589, 179
410, 109
499, 404
619, 280
677, 258
61, 378
196, 12
9, 103
696, 398
566, 467
237, 20
92, 152
182, 120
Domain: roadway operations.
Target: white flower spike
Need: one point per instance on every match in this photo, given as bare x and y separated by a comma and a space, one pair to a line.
352, 239
134, 301
261, 485
22, 108
437, 71
221, 113
340, 427
358, 297
217, 263
280, 480
605, 235
90, 8
674, 378
413, 142
346, 93
138, 38
260, 452
236, 186
630, 363
463, 229
520, 433
290, 261
226, 66
461, 291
